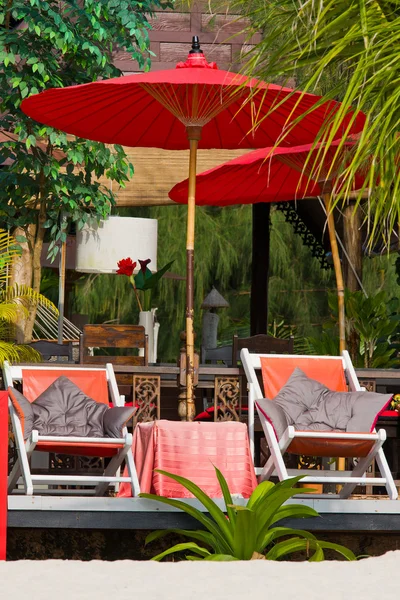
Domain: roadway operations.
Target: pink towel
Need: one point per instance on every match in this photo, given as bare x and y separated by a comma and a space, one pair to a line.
192, 450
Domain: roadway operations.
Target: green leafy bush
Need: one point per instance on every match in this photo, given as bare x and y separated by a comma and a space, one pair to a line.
245, 532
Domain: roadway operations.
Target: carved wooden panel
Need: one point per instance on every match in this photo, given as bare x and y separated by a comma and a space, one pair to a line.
369, 385
227, 405
146, 396
63, 463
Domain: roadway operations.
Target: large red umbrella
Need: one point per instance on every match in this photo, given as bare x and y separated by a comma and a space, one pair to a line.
276, 175
195, 104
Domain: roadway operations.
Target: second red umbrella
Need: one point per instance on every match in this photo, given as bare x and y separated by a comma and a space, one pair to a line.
276, 175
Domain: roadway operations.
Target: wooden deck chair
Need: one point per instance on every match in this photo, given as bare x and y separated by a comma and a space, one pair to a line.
98, 383
261, 344
332, 372
111, 337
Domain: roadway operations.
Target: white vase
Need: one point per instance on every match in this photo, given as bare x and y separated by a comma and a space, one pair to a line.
147, 318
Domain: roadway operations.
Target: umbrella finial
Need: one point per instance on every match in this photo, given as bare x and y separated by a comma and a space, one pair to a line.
195, 46
196, 57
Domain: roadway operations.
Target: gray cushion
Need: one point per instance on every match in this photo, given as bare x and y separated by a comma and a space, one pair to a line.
275, 415
309, 405
115, 419
65, 410
24, 410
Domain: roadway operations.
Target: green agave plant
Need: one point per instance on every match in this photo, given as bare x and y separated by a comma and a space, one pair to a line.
244, 532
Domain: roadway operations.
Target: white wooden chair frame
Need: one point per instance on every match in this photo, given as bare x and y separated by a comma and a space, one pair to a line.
275, 464
25, 449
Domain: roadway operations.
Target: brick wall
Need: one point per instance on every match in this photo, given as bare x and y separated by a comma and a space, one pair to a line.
172, 34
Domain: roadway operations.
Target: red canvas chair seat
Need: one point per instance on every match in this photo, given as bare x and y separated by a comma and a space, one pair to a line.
80, 449
329, 447
100, 385
336, 373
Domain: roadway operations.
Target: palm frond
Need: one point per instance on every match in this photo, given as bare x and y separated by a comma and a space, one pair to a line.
25, 296
15, 353
8, 250
12, 312
346, 51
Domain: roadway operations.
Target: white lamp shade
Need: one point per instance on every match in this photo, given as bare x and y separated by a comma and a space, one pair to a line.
99, 247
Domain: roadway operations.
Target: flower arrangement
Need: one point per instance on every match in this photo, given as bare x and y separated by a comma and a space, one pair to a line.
144, 281
395, 403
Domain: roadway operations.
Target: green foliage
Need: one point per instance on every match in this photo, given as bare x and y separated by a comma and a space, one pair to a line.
15, 303
147, 281
347, 51
245, 533
375, 319
61, 44
223, 259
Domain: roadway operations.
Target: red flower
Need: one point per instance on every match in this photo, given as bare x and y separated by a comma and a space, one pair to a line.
143, 265
126, 267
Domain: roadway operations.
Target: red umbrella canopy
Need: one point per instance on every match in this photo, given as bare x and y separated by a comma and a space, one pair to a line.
153, 109
266, 175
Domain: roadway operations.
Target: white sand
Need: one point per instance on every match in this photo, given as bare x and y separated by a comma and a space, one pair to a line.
371, 578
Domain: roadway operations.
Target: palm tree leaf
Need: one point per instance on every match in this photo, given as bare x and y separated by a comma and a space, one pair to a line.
293, 511
180, 547
221, 557
345, 51
200, 536
216, 513
277, 532
227, 496
203, 519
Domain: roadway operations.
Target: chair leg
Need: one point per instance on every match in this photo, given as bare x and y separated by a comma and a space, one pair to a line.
14, 476
387, 474
110, 471
361, 468
268, 469
24, 450
130, 463
276, 458
26, 468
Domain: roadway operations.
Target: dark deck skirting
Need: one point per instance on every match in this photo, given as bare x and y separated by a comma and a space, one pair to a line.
52, 519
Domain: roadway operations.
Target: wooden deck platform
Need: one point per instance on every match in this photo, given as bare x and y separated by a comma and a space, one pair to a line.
52, 512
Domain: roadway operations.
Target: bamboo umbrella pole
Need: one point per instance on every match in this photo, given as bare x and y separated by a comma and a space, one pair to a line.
338, 270
194, 134
340, 288
61, 292
61, 284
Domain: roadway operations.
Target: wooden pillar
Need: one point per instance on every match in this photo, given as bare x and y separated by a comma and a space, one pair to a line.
260, 268
353, 246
